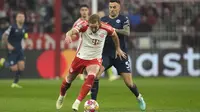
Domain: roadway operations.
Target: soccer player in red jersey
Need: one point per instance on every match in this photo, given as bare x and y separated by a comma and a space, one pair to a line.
88, 56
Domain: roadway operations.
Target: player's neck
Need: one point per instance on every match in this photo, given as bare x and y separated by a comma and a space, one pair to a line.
114, 16
19, 25
85, 18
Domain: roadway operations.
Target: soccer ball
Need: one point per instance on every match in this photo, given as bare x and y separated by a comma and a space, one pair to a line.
91, 106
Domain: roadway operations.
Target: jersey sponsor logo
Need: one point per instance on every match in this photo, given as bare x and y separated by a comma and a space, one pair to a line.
23, 31
118, 21
95, 41
16, 30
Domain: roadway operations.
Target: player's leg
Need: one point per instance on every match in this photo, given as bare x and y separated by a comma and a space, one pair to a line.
12, 60
20, 65
75, 69
91, 70
107, 63
66, 84
14, 69
124, 70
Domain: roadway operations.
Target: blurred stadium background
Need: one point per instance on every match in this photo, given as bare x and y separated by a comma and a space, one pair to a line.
164, 47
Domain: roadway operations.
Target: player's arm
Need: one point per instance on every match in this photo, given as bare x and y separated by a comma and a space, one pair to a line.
26, 39
119, 52
5, 37
70, 34
126, 28
6, 34
82, 27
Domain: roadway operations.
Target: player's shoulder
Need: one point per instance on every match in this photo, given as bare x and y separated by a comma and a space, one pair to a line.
122, 17
13, 26
106, 26
104, 18
78, 21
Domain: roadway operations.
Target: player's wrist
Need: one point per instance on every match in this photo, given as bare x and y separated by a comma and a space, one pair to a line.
118, 48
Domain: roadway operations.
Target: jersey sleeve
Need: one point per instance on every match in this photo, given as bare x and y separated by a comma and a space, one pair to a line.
81, 27
8, 30
109, 29
126, 21
103, 19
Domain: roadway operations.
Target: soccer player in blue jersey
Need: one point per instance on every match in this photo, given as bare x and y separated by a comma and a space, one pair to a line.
122, 27
13, 38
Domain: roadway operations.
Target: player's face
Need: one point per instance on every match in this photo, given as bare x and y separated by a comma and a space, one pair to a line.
94, 27
114, 9
20, 18
84, 11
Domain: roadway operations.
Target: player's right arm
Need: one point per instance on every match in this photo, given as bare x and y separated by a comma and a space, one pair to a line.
82, 27
70, 34
5, 37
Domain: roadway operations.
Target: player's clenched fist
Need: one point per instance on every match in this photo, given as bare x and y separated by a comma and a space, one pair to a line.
68, 38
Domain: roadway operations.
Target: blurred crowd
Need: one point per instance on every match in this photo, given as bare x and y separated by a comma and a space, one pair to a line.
39, 14
153, 18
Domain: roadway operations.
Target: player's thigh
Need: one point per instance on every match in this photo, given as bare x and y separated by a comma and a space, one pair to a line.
77, 66
12, 60
93, 66
93, 69
106, 63
122, 66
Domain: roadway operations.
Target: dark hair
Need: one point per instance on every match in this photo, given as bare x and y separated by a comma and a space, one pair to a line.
19, 13
117, 1
83, 5
94, 18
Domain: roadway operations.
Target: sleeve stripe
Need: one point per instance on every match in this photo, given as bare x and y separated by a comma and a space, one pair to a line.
8, 30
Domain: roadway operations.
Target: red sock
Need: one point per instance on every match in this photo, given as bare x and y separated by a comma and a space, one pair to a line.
64, 87
86, 87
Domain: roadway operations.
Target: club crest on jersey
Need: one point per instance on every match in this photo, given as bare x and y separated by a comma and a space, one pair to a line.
23, 31
118, 21
102, 35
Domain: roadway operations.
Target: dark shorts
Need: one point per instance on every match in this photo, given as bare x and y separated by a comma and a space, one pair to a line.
15, 56
122, 66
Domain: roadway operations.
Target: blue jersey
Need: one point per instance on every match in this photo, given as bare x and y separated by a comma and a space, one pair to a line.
15, 36
118, 23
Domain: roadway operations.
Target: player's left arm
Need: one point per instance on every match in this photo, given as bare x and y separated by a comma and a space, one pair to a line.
126, 28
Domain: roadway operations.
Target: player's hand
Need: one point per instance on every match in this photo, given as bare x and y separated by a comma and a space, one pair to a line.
10, 47
27, 43
120, 53
68, 39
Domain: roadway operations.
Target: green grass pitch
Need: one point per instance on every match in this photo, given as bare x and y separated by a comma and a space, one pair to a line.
161, 95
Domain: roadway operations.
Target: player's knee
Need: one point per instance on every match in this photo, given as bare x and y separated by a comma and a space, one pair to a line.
91, 77
100, 72
14, 68
21, 68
